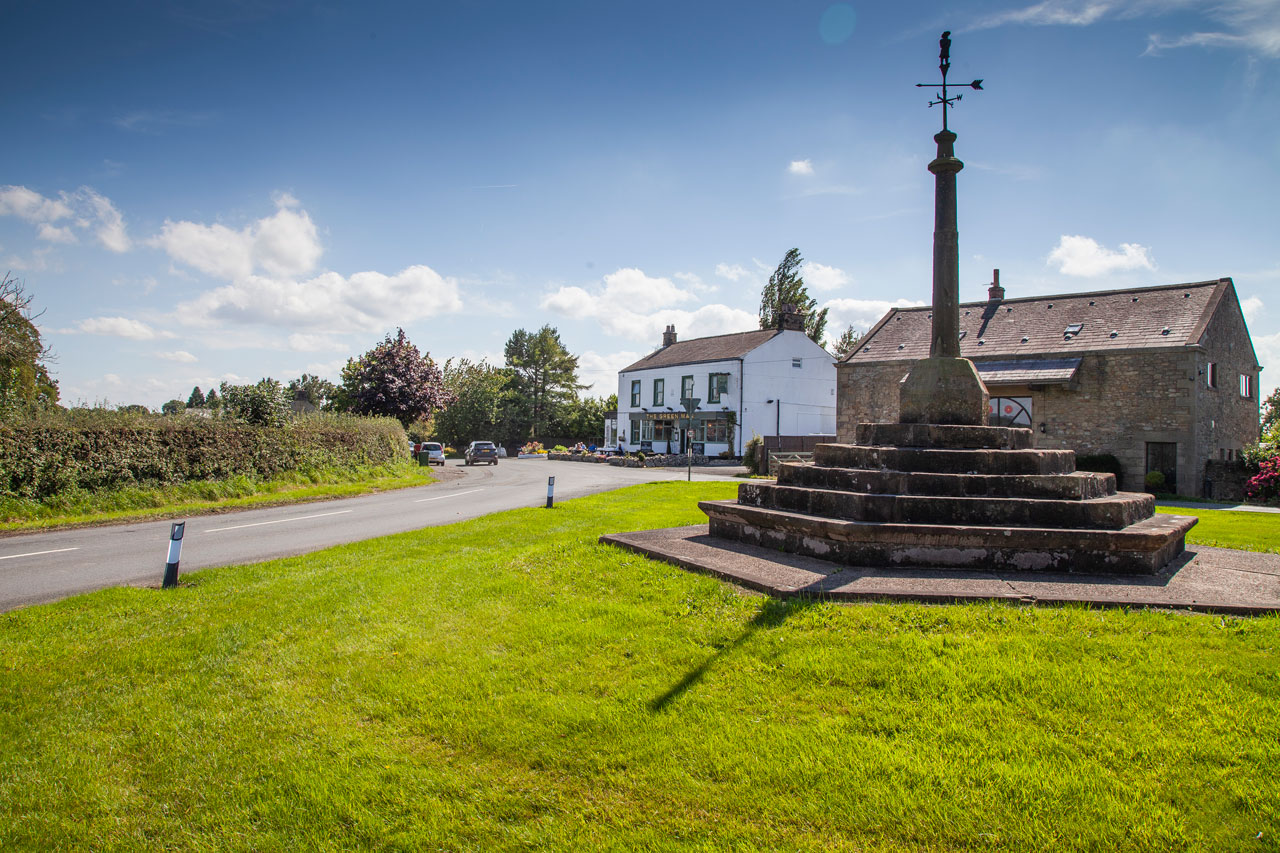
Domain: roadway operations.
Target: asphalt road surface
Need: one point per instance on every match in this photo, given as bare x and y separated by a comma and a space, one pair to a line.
39, 567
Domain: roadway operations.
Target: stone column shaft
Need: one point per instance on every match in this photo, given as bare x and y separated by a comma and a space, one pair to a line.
946, 251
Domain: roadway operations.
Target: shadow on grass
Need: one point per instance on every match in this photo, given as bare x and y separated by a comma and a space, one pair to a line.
771, 615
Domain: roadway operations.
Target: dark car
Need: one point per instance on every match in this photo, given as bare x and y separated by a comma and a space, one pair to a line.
481, 451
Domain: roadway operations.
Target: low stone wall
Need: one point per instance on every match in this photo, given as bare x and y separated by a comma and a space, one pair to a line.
1228, 479
575, 457
662, 460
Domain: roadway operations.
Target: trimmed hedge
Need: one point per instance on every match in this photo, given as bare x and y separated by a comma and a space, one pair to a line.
97, 449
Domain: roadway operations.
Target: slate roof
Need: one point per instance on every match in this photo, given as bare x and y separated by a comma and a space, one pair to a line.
1135, 318
1041, 371
714, 348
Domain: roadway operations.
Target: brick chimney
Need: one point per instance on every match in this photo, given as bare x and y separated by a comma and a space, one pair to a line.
995, 292
669, 336
790, 319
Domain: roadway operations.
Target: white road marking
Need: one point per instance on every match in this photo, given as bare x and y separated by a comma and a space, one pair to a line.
451, 495
38, 553
279, 521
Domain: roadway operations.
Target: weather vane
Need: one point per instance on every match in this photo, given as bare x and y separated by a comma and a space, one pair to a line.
944, 64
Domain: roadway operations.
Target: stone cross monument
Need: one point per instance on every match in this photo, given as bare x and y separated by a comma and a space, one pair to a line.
945, 388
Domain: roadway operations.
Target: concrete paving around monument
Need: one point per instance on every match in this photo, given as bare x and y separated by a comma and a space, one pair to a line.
1214, 580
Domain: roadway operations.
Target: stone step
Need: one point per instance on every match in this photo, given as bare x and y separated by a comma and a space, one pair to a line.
1081, 485
942, 437
1141, 548
927, 460
1113, 512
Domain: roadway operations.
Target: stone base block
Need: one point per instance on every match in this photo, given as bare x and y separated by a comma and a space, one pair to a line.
943, 391
944, 437
1141, 548
1080, 485
1113, 512
945, 461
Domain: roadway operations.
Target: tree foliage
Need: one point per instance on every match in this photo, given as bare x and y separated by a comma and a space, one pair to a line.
24, 376
1271, 410
543, 378
478, 394
582, 419
264, 403
393, 379
312, 389
786, 287
173, 407
847, 344
196, 400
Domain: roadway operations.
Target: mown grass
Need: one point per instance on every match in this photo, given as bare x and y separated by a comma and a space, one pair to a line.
508, 683
1244, 531
136, 504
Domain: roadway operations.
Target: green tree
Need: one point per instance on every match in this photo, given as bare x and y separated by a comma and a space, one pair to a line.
544, 377
786, 287
24, 377
212, 401
264, 403
582, 419
847, 344
312, 389
1271, 410
196, 400
173, 407
479, 393
393, 379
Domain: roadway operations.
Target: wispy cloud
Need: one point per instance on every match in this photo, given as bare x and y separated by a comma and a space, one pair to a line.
85, 207
120, 327
800, 167
1249, 25
156, 121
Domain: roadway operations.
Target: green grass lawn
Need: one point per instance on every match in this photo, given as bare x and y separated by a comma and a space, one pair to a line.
204, 496
1245, 531
509, 684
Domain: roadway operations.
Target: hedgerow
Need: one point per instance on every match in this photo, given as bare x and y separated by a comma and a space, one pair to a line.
67, 450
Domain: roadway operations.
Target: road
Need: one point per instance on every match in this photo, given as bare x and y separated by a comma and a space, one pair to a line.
39, 567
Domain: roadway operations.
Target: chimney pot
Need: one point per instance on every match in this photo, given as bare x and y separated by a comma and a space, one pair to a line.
669, 336
790, 318
995, 292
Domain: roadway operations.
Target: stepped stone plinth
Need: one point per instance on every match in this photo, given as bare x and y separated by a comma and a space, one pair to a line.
935, 496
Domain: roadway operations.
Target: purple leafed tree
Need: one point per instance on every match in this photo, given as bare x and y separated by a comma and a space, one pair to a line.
395, 380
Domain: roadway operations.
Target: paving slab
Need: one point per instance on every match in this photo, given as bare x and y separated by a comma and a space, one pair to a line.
1213, 580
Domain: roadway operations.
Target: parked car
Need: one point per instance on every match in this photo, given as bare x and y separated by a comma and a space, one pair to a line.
434, 451
481, 451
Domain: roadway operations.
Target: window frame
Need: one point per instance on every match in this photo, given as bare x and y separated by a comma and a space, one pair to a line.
686, 386
1246, 386
714, 393
635, 393
659, 391
1211, 374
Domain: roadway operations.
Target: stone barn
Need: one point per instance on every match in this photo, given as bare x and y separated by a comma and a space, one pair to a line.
1163, 378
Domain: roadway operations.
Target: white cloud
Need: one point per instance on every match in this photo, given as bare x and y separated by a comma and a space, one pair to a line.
823, 277
860, 313
1268, 350
734, 272
600, 370
31, 206
365, 301
181, 356
85, 207
800, 167
283, 245
54, 234
120, 327
315, 343
1251, 25
111, 231
1082, 256
612, 307
1252, 308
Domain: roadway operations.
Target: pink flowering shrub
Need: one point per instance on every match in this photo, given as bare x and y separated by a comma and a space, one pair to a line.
1264, 487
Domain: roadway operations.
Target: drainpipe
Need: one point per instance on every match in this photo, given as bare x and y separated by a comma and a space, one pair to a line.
741, 396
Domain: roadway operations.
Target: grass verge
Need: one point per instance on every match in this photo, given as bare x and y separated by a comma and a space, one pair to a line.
1244, 531
508, 683
138, 504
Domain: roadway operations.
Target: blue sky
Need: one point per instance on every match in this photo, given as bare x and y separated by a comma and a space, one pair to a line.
205, 191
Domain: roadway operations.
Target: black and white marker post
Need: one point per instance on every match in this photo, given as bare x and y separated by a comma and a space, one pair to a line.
551, 491
175, 551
